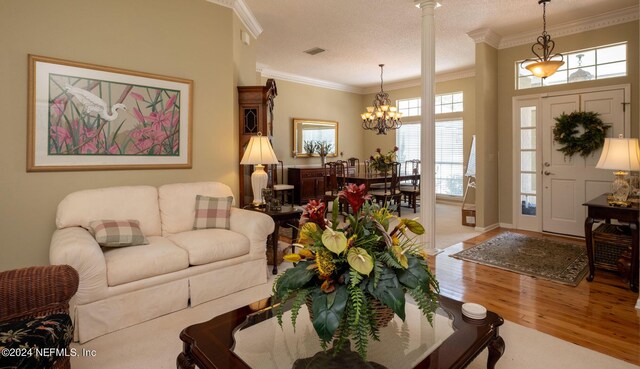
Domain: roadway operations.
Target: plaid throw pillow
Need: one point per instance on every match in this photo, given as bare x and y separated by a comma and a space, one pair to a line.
117, 233
212, 212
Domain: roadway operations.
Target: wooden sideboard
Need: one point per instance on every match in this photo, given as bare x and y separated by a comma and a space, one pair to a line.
308, 183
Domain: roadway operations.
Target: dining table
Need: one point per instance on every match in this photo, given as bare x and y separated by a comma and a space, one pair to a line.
370, 178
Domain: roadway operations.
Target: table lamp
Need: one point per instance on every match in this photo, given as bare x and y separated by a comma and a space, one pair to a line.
621, 155
259, 152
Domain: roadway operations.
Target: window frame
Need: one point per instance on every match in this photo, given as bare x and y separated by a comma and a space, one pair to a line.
540, 82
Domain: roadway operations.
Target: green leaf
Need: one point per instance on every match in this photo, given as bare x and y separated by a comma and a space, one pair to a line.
294, 278
336, 242
400, 256
416, 274
360, 260
414, 226
327, 317
389, 292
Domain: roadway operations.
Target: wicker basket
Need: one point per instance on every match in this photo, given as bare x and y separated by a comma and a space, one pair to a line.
609, 242
384, 314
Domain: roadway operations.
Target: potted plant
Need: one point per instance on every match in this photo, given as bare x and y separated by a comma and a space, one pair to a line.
353, 278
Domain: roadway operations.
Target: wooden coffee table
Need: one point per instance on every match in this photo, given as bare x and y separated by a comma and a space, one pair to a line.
211, 344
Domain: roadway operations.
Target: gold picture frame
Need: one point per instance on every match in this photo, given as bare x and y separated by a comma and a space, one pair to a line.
317, 130
89, 117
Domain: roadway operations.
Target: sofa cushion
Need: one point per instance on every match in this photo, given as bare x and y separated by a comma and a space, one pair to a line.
212, 212
128, 264
117, 233
49, 332
208, 245
178, 203
127, 202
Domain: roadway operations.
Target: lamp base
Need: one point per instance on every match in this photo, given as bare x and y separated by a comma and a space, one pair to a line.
259, 180
620, 187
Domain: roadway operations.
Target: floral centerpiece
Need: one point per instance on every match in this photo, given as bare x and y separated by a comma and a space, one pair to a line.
350, 275
382, 162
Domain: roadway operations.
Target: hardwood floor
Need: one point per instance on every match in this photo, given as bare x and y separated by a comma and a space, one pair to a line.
598, 315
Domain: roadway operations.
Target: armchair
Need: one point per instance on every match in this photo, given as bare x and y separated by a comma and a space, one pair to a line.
34, 312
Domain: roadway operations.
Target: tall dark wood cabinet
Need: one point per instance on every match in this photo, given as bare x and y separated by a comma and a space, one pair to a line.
308, 184
253, 113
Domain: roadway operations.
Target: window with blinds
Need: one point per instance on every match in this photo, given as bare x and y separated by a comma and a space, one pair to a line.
408, 141
449, 157
449, 153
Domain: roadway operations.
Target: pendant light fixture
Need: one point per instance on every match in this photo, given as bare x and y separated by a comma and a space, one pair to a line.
580, 74
381, 116
545, 63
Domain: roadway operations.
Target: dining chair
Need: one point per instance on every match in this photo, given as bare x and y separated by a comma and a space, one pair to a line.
411, 189
353, 165
282, 190
390, 192
334, 181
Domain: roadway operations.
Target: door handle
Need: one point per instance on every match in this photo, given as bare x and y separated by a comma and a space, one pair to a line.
547, 173
547, 164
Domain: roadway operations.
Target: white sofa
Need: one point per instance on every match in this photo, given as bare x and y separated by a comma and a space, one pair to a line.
123, 286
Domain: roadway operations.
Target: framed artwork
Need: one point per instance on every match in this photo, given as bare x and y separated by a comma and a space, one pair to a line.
89, 117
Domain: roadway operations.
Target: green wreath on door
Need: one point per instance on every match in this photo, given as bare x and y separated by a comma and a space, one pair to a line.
565, 133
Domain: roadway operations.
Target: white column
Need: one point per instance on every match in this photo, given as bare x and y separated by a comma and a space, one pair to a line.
427, 129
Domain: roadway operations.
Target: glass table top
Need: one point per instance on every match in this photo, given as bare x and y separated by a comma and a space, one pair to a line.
402, 345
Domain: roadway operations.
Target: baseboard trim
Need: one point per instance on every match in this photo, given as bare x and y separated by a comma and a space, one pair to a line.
487, 228
507, 225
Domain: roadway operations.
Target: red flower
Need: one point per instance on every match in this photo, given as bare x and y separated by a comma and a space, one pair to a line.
314, 212
355, 196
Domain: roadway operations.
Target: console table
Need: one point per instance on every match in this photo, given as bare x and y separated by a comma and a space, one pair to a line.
599, 209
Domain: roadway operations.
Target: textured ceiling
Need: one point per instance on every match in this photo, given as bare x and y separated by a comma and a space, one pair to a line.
360, 34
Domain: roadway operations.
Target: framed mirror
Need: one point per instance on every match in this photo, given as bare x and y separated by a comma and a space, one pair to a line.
313, 130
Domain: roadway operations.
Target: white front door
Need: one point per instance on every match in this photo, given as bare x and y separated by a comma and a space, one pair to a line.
569, 182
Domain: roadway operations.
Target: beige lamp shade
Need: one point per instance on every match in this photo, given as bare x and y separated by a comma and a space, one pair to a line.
620, 154
544, 69
259, 151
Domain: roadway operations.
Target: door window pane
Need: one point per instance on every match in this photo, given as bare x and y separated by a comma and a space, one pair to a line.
528, 139
528, 183
528, 116
528, 205
528, 161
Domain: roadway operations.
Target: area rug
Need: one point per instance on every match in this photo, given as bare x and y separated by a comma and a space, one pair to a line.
556, 261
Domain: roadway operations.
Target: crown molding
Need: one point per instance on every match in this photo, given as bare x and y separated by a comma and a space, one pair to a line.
392, 86
244, 13
458, 74
608, 19
440, 77
270, 73
295, 78
485, 35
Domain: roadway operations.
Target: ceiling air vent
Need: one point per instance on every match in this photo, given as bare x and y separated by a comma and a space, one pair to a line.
314, 51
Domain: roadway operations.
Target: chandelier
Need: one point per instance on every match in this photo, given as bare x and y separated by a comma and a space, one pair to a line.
381, 116
544, 64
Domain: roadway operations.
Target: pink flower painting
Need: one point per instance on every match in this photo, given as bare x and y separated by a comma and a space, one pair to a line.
91, 117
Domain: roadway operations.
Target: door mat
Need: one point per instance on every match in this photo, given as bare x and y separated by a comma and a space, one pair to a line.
556, 261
